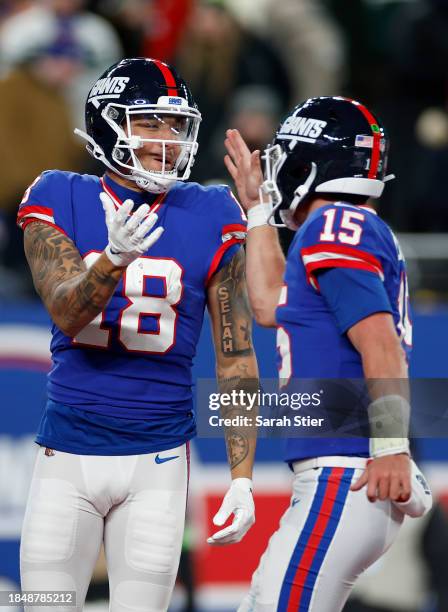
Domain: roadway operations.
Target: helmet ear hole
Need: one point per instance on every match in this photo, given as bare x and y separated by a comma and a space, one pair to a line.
300, 172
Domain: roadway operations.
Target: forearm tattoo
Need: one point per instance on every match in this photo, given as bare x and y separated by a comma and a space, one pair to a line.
238, 439
235, 318
70, 292
237, 445
233, 337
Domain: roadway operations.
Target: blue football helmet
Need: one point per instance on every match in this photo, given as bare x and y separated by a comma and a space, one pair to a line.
326, 145
147, 88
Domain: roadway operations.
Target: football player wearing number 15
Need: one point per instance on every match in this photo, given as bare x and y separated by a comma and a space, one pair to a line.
125, 265
340, 304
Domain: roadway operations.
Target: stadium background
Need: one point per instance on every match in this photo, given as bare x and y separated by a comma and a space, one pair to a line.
247, 61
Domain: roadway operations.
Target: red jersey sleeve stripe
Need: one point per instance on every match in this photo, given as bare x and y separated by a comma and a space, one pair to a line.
37, 213
325, 260
31, 208
234, 227
342, 263
341, 250
23, 224
219, 255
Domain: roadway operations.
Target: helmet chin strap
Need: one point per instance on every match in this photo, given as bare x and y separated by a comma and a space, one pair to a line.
301, 191
95, 150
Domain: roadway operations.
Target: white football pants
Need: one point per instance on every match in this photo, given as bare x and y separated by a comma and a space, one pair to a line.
326, 538
133, 503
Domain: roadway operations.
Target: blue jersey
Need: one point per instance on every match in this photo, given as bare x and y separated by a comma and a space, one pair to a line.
126, 377
311, 338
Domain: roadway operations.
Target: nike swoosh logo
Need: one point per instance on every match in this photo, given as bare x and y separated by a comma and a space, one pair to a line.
294, 502
165, 459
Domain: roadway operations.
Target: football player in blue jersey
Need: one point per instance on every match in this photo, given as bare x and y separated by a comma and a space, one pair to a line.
126, 289
340, 305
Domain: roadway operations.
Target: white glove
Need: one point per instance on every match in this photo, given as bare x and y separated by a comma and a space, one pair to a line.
128, 234
238, 501
420, 501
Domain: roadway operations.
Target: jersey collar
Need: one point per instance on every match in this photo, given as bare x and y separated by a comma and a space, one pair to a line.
118, 193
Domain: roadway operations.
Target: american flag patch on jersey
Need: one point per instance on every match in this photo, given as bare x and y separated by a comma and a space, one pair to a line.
364, 141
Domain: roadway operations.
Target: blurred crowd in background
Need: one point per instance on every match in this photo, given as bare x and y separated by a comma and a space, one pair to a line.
247, 62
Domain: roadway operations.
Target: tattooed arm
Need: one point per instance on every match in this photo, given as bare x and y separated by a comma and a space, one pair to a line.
236, 365
73, 295
265, 262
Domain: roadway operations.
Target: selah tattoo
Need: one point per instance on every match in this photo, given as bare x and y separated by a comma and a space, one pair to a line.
234, 311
